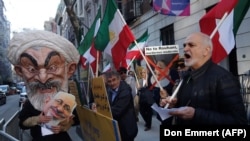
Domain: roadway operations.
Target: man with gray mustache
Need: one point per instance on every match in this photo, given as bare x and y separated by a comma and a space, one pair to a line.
45, 61
209, 94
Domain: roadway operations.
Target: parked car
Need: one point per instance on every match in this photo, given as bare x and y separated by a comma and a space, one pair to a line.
2, 97
23, 96
14, 90
5, 89
20, 85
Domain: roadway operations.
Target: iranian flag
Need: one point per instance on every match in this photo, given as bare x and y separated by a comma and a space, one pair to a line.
114, 35
224, 38
133, 50
107, 68
86, 48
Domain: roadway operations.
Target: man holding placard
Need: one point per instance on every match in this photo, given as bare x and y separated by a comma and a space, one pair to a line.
122, 105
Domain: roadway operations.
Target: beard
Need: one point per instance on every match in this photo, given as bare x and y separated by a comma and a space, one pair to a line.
191, 62
36, 98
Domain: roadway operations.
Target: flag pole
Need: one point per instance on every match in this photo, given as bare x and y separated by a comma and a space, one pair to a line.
148, 65
131, 62
219, 24
97, 63
142, 54
174, 93
136, 78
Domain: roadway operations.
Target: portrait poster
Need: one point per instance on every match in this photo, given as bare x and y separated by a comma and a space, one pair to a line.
167, 54
60, 108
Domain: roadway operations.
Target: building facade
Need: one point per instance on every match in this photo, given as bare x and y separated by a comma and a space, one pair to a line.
5, 66
163, 30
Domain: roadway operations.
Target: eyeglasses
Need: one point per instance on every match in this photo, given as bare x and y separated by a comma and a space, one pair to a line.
50, 69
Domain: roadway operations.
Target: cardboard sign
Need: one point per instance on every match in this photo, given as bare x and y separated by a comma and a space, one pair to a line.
101, 97
74, 91
96, 127
157, 50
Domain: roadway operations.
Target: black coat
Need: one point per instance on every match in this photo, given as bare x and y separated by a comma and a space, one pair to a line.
123, 112
215, 94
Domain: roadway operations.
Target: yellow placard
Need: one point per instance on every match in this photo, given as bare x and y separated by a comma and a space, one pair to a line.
96, 127
101, 97
74, 91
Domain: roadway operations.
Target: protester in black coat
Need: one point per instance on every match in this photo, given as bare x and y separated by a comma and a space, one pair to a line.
209, 93
122, 106
146, 98
35, 130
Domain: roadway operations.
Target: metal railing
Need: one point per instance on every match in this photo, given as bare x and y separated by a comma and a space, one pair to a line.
11, 126
6, 137
2, 121
3, 135
10, 130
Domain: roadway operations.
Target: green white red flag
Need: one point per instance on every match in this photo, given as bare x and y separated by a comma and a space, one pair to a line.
86, 47
224, 38
133, 51
114, 35
107, 68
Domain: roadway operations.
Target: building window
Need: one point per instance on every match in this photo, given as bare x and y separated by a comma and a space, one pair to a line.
167, 35
119, 5
138, 10
80, 7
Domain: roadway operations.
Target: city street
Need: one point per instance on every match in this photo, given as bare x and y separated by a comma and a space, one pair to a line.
11, 106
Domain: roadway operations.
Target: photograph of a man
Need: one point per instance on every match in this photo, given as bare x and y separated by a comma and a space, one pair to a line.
59, 108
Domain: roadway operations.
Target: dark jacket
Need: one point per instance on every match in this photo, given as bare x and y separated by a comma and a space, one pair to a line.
123, 112
169, 87
35, 131
146, 96
215, 94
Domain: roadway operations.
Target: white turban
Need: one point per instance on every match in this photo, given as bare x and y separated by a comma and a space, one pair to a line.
38, 38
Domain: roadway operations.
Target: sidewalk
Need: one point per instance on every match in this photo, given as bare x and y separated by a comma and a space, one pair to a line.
150, 135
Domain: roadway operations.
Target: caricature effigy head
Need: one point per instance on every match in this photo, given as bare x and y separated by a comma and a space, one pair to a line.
45, 61
60, 107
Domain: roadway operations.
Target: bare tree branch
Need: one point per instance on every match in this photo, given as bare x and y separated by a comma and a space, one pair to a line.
73, 18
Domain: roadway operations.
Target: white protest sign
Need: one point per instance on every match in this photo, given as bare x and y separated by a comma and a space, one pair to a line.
157, 50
